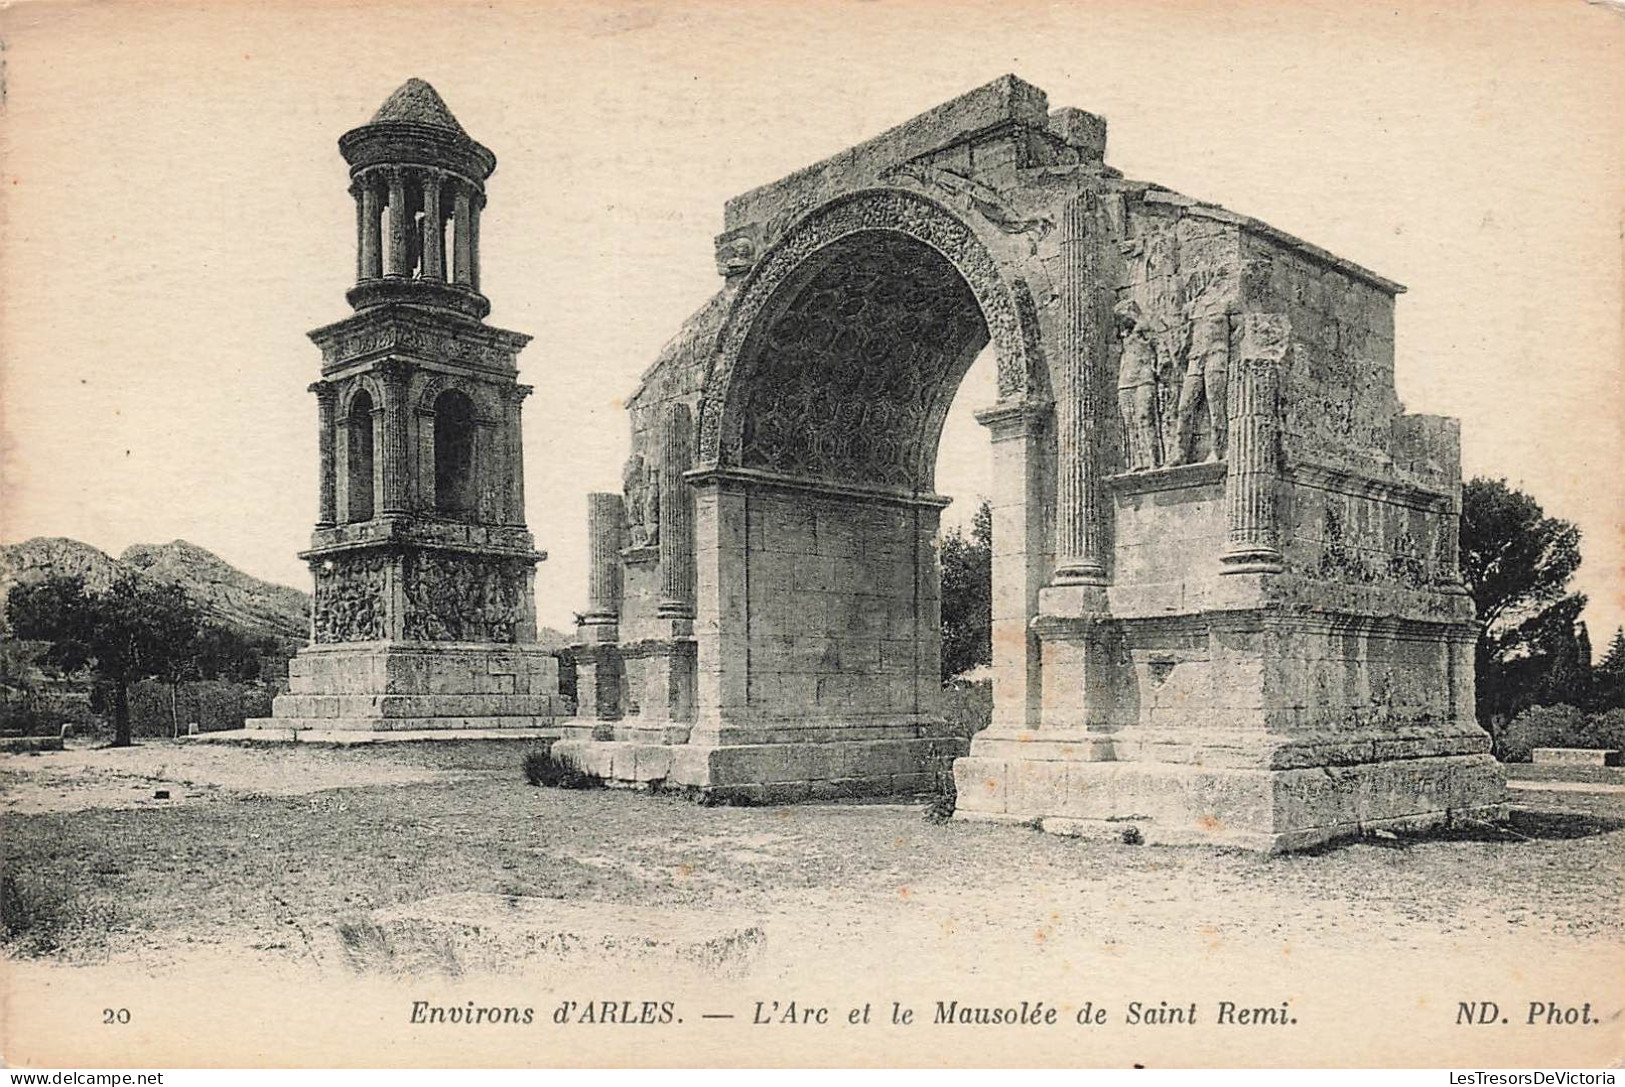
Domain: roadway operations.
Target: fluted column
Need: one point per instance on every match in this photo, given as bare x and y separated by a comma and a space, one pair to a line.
462, 249
434, 229
606, 514
1079, 532
372, 252
475, 206
360, 231
676, 514
394, 374
1255, 445
397, 223
326, 443
513, 402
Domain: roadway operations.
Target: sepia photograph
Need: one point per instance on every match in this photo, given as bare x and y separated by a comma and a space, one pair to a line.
821, 533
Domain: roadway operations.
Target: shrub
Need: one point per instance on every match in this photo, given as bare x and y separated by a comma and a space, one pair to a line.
968, 706
1560, 726
941, 807
541, 768
45, 716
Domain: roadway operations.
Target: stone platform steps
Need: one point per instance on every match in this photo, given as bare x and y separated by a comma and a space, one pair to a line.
348, 737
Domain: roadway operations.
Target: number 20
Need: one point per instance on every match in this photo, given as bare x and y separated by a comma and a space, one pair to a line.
115, 1015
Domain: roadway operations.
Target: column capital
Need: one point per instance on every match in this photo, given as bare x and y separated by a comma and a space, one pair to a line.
516, 392
393, 372
1265, 338
1014, 418
326, 392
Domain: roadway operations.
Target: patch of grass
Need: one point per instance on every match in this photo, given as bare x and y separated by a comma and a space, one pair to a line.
369, 948
543, 769
39, 917
1132, 836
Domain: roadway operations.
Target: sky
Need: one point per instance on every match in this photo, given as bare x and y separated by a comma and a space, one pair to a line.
176, 218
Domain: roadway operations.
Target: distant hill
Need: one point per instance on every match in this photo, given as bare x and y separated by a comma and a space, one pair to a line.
232, 597
226, 594
229, 596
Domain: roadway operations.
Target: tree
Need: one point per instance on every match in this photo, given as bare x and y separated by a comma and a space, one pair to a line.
1608, 677
1614, 659
1517, 564
134, 630
967, 595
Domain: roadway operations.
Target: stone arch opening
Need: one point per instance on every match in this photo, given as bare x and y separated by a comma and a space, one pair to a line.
820, 427
854, 363
454, 422
359, 504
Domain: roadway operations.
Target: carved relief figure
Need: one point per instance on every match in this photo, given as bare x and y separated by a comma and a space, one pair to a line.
640, 485
1137, 381
1207, 368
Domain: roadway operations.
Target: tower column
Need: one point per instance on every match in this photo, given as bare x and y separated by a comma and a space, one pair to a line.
475, 206
393, 497
1255, 446
1078, 527
360, 231
462, 242
397, 223
513, 402
434, 228
372, 252
326, 443
676, 514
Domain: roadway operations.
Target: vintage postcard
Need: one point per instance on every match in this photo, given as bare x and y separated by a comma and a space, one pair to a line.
818, 533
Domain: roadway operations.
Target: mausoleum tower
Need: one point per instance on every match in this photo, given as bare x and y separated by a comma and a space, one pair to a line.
424, 614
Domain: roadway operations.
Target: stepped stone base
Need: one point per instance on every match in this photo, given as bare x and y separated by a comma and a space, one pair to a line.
768, 765
419, 688
1265, 807
273, 733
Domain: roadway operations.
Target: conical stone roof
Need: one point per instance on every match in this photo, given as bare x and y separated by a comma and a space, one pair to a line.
415, 102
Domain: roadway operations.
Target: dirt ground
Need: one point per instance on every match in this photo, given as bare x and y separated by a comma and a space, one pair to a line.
284, 858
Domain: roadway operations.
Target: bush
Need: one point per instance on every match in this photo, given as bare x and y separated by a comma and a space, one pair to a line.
46, 714
215, 704
541, 768
968, 706
1559, 726
941, 807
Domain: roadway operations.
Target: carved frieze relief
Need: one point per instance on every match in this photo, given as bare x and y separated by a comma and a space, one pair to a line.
350, 604
461, 598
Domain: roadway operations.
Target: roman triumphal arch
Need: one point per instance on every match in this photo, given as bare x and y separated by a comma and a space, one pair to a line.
1226, 604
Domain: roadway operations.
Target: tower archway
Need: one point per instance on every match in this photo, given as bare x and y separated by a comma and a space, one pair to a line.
359, 458
455, 493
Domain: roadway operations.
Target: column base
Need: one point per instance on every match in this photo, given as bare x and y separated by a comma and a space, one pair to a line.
1251, 559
